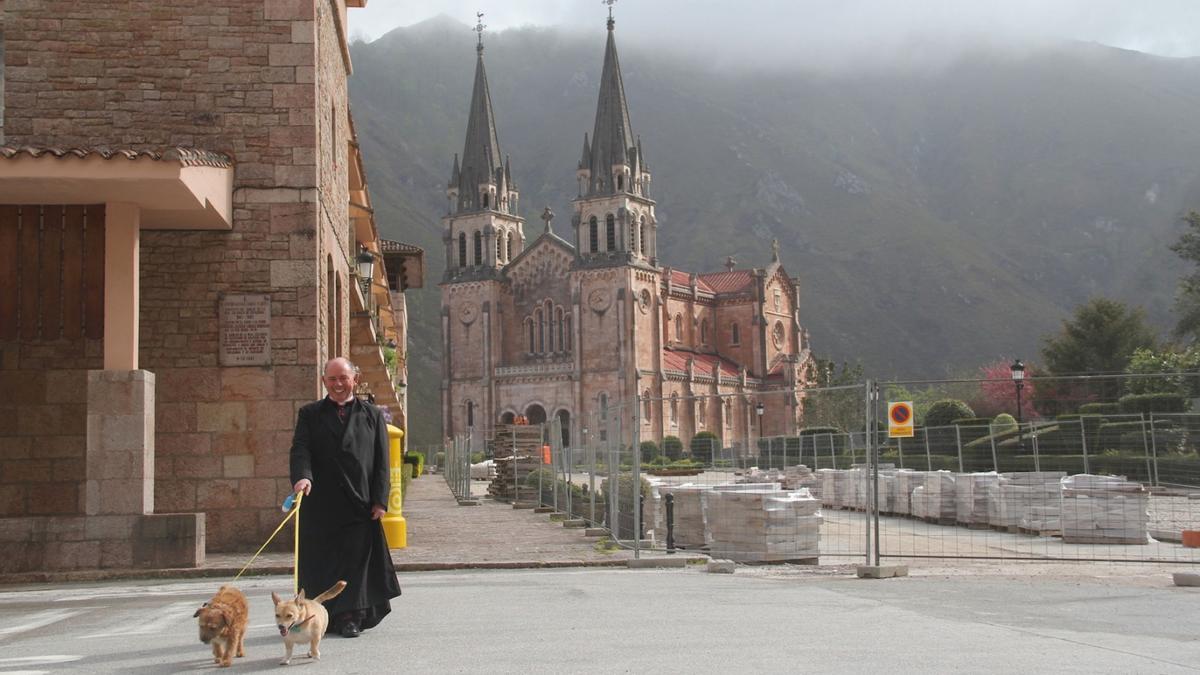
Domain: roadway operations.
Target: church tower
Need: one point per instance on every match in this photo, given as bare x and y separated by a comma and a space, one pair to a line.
614, 215
482, 229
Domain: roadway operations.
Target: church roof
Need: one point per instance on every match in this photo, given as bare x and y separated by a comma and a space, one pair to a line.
681, 278
481, 161
612, 139
677, 361
728, 282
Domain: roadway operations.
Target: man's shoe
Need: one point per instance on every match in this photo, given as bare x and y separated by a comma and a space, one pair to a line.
350, 629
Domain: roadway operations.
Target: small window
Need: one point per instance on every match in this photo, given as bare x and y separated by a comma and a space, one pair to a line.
604, 406
462, 249
529, 330
735, 337
470, 414
499, 247
541, 331
593, 235
647, 408
508, 244
642, 237
700, 412
704, 332
485, 200
478, 248
620, 182
610, 232
632, 243
679, 328
674, 410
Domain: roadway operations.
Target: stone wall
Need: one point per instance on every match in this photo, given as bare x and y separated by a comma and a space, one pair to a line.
254, 80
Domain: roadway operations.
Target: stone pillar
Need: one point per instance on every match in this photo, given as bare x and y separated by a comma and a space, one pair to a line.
122, 242
120, 443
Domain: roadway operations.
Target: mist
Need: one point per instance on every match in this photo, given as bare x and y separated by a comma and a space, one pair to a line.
829, 36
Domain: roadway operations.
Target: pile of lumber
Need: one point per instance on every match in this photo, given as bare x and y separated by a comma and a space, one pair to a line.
517, 451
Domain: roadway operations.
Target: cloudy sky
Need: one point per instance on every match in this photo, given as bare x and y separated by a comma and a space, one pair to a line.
830, 30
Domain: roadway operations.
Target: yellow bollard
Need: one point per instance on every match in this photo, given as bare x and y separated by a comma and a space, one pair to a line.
394, 526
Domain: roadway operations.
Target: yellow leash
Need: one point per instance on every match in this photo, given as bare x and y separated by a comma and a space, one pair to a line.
294, 513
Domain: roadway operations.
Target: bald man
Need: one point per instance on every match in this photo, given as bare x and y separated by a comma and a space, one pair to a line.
339, 460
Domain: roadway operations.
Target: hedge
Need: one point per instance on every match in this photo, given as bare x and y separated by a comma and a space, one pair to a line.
703, 446
1154, 403
1099, 409
946, 411
672, 447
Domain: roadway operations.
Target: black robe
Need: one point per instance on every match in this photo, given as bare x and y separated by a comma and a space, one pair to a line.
348, 466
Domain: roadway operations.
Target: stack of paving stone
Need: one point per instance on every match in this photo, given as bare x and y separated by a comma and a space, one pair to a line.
934, 500
519, 446
971, 493
887, 491
801, 477
829, 482
1104, 510
1011, 499
760, 523
688, 513
906, 482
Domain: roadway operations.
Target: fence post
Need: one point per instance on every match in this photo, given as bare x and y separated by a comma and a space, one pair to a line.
928, 456
1154, 448
1037, 461
670, 505
995, 462
592, 482
900, 449
637, 475
958, 444
1146, 450
1083, 441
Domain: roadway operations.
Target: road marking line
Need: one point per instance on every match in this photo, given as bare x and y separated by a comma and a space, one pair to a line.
43, 619
164, 618
39, 660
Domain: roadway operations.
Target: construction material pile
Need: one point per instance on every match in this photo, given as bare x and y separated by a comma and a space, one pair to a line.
972, 491
1013, 497
688, 513
935, 498
906, 482
517, 451
760, 523
1104, 510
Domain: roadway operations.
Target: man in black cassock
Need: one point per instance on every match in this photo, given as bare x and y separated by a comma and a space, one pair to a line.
339, 460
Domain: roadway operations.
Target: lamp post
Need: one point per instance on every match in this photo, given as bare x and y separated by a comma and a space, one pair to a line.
759, 409
1018, 378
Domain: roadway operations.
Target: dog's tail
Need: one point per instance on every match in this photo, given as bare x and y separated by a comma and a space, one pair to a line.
332, 593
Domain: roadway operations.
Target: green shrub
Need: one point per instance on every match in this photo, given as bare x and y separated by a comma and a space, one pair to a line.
1099, 409
672, 447
439, 458
625, 502
1154, 403
405, 478
813, 431
1003, 424
476, 457
650, 451
703, 446
944, 412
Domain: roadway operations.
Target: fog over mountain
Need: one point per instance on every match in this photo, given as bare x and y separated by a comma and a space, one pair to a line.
936, 217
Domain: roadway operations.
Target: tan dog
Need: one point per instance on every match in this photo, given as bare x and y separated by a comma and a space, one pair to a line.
302, 620
223, 622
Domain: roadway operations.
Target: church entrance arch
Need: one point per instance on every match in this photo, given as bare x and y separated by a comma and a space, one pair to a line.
536, 414
507, 418
564, 422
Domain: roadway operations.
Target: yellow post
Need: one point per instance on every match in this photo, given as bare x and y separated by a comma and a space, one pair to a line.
394, 526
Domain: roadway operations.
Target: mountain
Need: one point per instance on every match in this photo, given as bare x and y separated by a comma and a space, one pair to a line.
935, 219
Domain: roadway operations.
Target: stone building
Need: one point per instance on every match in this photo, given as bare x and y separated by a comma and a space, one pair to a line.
185, 229
571, 326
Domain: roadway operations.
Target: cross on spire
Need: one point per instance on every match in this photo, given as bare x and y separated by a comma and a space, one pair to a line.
774, 250
548, 216
479, 29
730, 263
610, 16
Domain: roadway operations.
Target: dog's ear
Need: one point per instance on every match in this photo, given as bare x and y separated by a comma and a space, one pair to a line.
227, 617
198, 612
300, 595
275, 598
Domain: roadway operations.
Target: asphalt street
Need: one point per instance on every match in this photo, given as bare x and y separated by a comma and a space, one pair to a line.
623, 621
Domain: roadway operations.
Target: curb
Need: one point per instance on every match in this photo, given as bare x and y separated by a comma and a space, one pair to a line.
81, 576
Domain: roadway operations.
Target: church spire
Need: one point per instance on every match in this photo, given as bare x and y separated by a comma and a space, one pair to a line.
612, 142
481, 169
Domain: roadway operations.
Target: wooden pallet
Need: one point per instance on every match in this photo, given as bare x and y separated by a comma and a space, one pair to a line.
1105, 540
1040, 533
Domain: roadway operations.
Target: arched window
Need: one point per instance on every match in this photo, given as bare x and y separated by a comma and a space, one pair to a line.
632, 243
610, 233
499, 247
529, 331
647, 408
508, 244
728, 414
679, 328
570, 335
674, 410
558, 323
549, 327
470, 413
642, 237
620, 182
541, 332
485, 199
478, 247
593, 235
462, 249
701, 411
704, 332
735, 337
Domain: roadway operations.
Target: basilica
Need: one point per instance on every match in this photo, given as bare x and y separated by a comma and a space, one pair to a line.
586, 324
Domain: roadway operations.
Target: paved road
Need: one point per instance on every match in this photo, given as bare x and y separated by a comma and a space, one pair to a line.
621, 621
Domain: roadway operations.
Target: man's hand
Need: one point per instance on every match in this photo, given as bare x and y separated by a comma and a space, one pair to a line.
303, 485
377, 511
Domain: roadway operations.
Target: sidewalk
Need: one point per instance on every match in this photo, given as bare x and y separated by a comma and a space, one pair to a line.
441, 536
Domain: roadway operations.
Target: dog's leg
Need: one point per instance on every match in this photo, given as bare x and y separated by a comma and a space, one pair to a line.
239, 638
314, 648
216, 651
287, 657
227, 654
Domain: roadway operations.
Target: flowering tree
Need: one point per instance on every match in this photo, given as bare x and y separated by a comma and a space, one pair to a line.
998, 393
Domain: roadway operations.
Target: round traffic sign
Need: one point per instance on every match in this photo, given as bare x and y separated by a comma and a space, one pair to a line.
901, 413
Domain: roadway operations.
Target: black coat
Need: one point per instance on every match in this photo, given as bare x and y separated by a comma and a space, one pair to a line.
348, 466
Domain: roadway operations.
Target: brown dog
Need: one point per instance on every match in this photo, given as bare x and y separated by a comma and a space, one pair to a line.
302, 620
223, 622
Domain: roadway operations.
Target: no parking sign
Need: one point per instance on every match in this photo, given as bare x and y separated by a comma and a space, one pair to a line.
900, 419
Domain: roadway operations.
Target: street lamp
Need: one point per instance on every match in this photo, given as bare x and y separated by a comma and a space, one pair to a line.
1018, 378
759, 409
366, 265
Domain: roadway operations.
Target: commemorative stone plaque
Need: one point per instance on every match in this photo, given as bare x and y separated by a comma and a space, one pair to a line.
245, 330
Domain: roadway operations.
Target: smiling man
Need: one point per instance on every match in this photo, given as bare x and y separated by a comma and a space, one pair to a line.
339, 460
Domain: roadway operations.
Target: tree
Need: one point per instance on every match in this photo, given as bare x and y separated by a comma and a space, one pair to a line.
1099, 338
998, 394
1187, 299
841, 408
1170, 364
